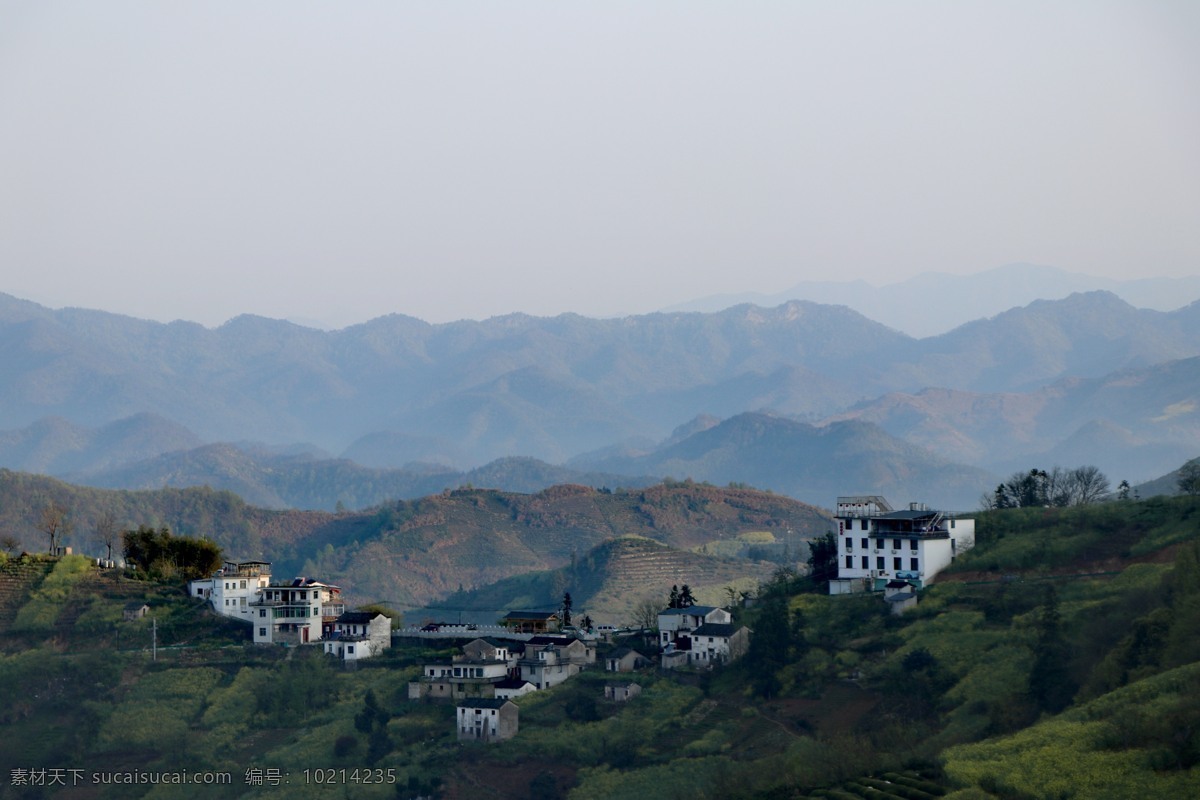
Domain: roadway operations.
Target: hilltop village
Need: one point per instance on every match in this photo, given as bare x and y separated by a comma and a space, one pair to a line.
879, 549
528, 652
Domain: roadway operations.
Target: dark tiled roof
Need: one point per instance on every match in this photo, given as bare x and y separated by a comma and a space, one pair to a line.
512, 683
715, 629
357, 617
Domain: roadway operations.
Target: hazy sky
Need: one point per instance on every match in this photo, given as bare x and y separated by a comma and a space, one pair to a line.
336, 161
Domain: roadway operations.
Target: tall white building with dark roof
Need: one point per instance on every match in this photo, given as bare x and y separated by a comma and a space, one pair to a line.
878, 544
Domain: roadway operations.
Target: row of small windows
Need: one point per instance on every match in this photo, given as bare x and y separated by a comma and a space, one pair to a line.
866, 544
880, 563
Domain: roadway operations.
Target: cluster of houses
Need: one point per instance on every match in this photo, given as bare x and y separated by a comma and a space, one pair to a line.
878, 549
490, 673
302, 611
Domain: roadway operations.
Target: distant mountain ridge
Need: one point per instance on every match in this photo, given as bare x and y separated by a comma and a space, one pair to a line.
812, 463
397, 391
904, 305
1130, 423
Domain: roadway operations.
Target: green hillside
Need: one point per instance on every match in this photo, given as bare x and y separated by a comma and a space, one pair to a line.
415, 552
1060, 658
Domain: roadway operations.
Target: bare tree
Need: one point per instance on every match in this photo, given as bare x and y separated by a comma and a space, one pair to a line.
106, 532
645, 613
1061, 487
55, 524
1189, 477
1090, 485
10, 543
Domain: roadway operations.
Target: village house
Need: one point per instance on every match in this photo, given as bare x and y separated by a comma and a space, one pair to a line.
135, 610
478, 671
513, 688
300, 612
550, 660
487, 649
462, 677
532, 621
621, 692
716, 643
359, 634
877, 544
232, 589
672, 622
624, 659
900, 596
487, 720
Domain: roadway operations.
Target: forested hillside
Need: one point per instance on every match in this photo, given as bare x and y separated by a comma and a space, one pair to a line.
415, 552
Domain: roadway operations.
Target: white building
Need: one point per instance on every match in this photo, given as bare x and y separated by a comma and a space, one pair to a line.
462, 677
877, 544
487, 720
359, 634
233, 588
299, 612
672, 622
551, 660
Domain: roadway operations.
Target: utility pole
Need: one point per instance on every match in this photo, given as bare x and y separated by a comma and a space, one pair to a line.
154, 640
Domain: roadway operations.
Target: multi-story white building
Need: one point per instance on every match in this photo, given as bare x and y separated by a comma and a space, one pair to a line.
550, 660
296, 613
877, 544
233, 588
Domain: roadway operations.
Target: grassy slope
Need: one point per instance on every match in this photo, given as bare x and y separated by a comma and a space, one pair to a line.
609, 581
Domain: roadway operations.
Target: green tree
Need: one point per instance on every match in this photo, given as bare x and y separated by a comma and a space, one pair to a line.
379, 744
822, 559
1024, 490
685, 597
769, 646
158, 553
371, 715
1050, 685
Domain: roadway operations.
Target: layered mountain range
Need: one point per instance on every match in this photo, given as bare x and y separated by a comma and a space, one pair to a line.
808, 399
